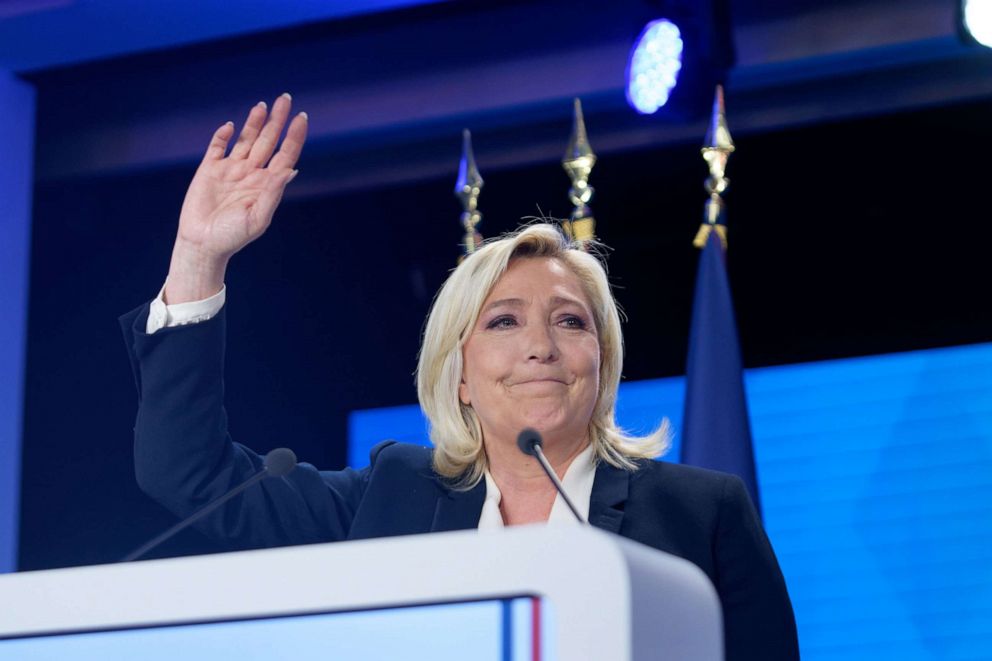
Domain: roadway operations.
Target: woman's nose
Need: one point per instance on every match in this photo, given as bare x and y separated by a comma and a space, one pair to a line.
541, 343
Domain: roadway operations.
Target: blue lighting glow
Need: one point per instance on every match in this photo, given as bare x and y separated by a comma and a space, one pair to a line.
653, 69
17, 104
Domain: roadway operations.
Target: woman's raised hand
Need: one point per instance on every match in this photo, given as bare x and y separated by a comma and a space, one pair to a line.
232, 198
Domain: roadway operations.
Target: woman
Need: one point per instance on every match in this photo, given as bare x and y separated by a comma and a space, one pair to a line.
524, 333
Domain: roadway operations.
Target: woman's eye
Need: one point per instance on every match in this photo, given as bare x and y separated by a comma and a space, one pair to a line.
572, 321
502, 322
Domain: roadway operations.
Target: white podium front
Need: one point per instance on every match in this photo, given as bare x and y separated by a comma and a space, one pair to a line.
532, 592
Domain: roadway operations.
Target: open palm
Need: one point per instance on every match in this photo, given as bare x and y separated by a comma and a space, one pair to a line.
232, 197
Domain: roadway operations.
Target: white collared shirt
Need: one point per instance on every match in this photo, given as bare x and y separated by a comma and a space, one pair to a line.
577, 482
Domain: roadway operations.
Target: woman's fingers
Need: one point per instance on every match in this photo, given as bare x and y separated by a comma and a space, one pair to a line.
268, 138
218, 144
260, 136
292, 144
252, 127
280, 170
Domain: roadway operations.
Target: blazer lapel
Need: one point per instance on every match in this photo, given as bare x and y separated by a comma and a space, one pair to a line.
458, 510
609, 494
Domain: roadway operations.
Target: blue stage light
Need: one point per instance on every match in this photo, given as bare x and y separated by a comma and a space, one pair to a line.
978, 20
654, 65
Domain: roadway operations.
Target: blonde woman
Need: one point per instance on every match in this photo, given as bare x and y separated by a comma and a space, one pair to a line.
524, 334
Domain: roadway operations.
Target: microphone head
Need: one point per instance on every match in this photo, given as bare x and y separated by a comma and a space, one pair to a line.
528, 440
280, 462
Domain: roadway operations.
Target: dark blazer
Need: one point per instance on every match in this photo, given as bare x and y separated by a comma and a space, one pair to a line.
184, 458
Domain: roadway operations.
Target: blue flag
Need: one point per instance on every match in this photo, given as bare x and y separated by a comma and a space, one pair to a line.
716, 431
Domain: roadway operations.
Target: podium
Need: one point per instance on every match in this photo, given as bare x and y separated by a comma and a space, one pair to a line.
525, 593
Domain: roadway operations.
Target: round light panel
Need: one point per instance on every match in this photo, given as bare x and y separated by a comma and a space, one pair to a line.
654, 65
978, 20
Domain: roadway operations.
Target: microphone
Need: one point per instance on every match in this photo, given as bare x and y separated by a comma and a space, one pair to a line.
529, 441
278, 462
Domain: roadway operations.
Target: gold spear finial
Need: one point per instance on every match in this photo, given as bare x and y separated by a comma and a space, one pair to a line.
578, 163
716, 152
467, 190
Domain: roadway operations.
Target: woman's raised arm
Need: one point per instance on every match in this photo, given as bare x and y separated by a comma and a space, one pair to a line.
232, 198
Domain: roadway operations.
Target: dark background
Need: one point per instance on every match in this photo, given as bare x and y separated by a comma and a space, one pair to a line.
850, 237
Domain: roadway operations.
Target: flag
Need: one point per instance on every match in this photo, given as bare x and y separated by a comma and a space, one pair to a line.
716, 430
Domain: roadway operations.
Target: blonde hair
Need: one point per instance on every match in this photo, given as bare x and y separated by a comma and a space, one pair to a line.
454, 427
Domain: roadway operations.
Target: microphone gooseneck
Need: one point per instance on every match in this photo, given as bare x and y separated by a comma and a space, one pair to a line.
530, 443
278, 462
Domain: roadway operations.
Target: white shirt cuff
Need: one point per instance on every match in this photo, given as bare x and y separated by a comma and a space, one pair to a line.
161, 315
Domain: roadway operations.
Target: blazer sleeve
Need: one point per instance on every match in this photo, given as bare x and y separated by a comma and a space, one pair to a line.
758, 618
184, 456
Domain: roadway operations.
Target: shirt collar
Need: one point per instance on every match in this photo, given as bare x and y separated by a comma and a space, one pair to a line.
578, 482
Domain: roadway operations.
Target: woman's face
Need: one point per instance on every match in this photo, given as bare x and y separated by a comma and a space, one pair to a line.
532, 359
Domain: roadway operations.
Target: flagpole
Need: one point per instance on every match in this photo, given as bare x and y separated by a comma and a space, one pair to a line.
578, 162
716, 427
716, 151
468, 187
